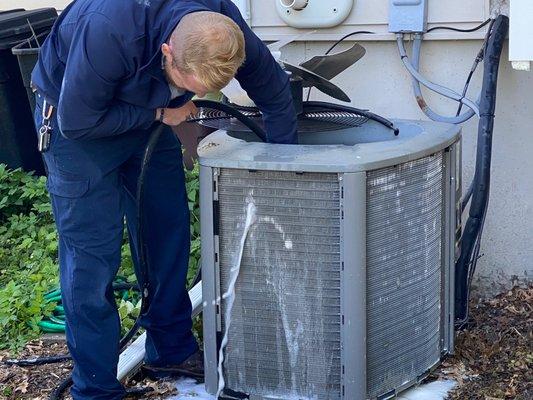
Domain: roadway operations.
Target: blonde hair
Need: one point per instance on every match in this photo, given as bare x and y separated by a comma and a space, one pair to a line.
209, 46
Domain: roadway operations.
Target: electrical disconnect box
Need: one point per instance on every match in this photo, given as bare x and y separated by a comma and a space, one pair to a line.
408, 16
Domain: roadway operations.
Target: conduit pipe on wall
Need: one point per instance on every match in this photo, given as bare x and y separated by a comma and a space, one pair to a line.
470, 241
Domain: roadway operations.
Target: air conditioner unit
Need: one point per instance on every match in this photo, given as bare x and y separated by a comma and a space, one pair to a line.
346, 283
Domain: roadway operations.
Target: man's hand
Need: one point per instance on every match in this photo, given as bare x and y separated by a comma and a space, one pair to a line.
175, 116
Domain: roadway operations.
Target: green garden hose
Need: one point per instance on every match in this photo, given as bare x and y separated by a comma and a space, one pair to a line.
55, 323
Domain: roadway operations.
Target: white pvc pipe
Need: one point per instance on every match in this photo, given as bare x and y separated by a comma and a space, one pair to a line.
131, 358
294, 4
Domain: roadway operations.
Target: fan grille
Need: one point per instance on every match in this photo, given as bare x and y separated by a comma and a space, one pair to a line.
311, 121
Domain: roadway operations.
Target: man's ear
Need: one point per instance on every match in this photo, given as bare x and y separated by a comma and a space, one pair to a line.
165, 49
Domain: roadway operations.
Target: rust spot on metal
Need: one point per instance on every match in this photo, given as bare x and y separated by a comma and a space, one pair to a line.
421, 102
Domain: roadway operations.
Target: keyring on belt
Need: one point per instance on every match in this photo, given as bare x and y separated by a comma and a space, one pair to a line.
45, 131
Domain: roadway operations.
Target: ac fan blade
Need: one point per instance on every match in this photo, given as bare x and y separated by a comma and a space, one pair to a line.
322, 84
329, 66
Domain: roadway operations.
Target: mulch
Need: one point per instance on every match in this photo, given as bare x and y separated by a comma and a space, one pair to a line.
493, 357
33, 382
38, 382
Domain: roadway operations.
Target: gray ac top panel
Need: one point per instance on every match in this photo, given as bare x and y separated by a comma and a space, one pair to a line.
363, 148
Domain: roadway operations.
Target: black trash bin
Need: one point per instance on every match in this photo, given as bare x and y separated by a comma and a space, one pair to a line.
18, 140
27, 54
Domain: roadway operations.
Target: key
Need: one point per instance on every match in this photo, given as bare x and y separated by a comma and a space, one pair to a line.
44, 138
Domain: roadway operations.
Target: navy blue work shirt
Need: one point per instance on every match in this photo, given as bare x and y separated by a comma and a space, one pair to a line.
101, 67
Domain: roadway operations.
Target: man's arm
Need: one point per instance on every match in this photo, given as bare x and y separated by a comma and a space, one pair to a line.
266, 83
96, 63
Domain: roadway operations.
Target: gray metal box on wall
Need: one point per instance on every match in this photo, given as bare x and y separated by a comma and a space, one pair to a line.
408, 16
346, 281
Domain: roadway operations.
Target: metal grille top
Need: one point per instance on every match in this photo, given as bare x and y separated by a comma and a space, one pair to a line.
309, 121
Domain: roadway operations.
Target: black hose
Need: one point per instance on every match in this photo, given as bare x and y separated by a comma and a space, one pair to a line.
63, 386
141, 243
254, 127
150, 148
130, 393
364, 113
470, 240
30, 362
130, 334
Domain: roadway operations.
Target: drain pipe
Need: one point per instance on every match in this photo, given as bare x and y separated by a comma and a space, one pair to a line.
470, 241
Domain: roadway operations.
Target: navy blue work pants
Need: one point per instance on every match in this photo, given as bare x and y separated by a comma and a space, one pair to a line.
93, 186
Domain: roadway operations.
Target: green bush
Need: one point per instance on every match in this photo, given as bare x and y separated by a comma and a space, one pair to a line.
28, 256
193, 194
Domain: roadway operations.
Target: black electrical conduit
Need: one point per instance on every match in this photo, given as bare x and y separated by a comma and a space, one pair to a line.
471, 238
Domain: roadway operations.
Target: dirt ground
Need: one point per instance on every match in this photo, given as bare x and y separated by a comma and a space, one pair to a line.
493, 360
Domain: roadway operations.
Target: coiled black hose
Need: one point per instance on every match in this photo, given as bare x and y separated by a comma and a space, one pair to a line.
470, 241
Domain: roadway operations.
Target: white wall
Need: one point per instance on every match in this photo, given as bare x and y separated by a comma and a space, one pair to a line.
372, 15
380, 83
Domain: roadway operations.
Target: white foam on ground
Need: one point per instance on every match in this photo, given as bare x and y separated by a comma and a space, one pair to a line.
432, 391
190, 389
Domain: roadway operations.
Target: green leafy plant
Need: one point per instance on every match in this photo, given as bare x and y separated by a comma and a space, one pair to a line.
21, 193
192, 185
28, 257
